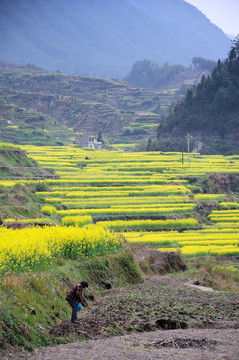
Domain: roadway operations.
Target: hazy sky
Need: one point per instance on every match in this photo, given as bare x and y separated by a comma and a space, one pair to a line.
223, 13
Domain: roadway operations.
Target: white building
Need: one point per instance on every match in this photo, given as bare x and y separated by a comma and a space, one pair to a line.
92, 143
89, 141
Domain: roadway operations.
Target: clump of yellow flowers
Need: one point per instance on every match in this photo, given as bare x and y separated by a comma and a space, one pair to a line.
32, 248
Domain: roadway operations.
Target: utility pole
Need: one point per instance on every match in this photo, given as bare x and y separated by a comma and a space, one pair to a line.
188, 152
182, 150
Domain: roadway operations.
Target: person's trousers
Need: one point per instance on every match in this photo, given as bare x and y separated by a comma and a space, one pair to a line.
74, 310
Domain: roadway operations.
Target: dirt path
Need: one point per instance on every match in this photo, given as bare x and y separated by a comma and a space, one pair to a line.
163, 318
209, 344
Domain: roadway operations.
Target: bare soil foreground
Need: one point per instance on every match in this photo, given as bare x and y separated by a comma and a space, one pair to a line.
191, 344
165, 317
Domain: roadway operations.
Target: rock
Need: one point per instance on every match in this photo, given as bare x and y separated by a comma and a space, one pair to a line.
197, 282
32, 311
168, 324
148, 327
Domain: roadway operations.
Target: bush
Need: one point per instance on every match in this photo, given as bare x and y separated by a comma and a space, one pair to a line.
41, 186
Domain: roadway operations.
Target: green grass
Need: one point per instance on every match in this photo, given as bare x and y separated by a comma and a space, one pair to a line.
33, 302
20, 201
214, 272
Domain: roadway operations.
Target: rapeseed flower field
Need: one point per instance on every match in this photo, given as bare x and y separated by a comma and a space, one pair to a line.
136, 194
35, 247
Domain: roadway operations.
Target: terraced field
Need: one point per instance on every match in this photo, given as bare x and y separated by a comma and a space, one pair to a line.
151, 198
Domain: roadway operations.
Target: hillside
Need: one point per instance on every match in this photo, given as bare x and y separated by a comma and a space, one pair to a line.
20, 200
104, 38
15, 164
45, 108
210, 110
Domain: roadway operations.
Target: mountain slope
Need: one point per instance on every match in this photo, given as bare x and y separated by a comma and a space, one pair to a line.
48, 103
103, 37
43, 108
210, 110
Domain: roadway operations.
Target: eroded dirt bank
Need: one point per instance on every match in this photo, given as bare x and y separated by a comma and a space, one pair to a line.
163, 318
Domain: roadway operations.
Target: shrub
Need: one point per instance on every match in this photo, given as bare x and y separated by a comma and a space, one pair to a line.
41, 186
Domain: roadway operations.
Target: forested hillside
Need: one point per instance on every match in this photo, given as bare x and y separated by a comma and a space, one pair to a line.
104, 38
210, 110
150, 75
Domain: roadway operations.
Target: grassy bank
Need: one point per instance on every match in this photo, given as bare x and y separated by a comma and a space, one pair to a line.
33, 302
219, 273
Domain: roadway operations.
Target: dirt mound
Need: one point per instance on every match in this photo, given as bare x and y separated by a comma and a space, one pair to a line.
224, 183
67, 327
160, 262
205, 208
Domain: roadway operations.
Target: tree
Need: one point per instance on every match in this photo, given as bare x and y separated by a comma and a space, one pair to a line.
203, 64
148, 74
212, 106
189, 98
100, 137
149, 145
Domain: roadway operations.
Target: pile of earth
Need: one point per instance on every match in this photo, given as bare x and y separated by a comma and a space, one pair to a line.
224, 183
160, 262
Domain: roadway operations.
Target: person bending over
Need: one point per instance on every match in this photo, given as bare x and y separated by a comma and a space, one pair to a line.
76, 300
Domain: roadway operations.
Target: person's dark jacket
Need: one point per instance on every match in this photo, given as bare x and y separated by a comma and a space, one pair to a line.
75, 294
